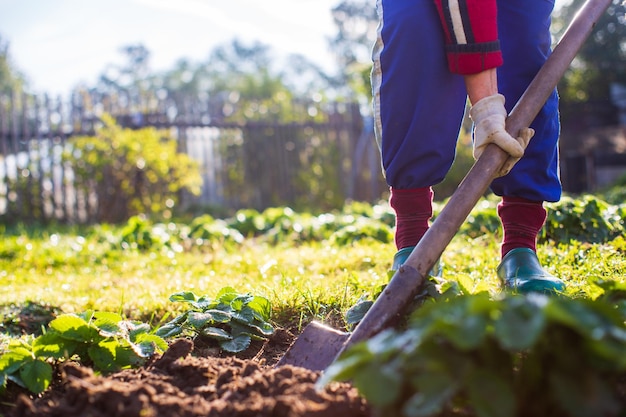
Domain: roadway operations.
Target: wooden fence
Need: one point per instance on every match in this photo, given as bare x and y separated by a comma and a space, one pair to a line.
322, 157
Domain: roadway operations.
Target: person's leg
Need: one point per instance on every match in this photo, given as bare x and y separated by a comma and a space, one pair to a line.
418, 109
524, 30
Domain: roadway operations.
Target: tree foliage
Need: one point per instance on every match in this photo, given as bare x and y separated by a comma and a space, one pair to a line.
602, 59
11, 79
356, 23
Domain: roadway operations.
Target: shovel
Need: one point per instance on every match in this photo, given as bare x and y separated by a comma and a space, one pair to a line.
319, 345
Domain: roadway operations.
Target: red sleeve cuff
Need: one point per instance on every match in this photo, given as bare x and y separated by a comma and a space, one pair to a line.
474, 62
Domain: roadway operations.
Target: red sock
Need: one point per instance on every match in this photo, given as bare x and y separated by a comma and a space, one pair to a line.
521, 222
413, 209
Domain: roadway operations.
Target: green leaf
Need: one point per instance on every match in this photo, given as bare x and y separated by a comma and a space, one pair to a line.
226, 295
112, 355
356, 313
203, 303
381, 384
130, 355
3, 382
253, 331
237, 344
136, 329
490, 395
589, 397
244, 315
263, 328
169, 330
262, 307
240, 328
107, 316
108, 328
239, 302
152, 339
217, 333
434, 390
463, 321
347, 365
199, 320
521, 322
86, 315
103, 356
36, 375
180, 319
72, 327
183, 296
52, 345
12, 360
144, 350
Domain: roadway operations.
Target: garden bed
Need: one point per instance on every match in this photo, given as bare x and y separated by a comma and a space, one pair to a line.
190, 381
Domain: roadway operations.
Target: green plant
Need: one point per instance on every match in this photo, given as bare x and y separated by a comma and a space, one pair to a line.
362, 228
587, 219
514, 356
231, 319
131, 171
483, 218
104, 340
206, 229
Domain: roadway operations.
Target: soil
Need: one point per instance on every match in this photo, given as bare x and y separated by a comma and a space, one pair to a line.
193, 380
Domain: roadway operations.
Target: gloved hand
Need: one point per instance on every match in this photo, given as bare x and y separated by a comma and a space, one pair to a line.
489, 117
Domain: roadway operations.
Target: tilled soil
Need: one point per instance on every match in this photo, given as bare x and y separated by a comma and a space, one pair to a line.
190, 381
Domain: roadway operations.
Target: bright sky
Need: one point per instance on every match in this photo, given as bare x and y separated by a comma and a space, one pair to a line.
58, 43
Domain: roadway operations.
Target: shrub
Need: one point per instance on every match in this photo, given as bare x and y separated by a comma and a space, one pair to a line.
131, 171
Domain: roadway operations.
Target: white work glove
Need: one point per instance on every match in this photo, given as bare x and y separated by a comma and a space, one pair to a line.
489, 117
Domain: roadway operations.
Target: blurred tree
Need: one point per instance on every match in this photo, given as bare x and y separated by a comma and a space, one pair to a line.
10, 78
133, 74
133, 80
307, 79
242, 84
602, 59
356, 23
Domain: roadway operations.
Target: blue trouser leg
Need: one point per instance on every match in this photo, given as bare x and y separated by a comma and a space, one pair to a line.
418, 103
535, 176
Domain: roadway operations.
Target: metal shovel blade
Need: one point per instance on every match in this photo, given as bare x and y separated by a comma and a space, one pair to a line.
315, 348
319, 345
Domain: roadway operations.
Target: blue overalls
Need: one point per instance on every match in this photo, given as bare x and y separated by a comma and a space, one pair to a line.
419, 104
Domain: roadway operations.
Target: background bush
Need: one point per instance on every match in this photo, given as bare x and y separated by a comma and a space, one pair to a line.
133, 171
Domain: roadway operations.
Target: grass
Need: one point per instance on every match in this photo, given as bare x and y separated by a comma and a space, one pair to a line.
77, 269
77, 273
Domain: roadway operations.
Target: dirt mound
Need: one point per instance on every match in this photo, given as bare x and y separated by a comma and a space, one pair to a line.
184, 384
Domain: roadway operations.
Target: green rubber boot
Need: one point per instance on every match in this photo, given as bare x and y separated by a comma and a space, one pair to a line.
402, 255
521, 271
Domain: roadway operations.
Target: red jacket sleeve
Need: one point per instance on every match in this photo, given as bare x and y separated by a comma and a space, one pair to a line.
471, 34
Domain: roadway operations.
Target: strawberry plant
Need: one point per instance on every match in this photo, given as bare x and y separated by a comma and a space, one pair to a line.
587, 219
231, 319
514, 356
362, 228
104, 340
206, 229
